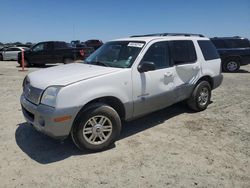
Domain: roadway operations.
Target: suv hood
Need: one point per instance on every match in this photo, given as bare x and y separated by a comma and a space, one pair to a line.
67, 74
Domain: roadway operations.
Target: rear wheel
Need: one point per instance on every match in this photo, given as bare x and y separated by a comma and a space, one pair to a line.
231, 65
96, 128
1, 57
200, 97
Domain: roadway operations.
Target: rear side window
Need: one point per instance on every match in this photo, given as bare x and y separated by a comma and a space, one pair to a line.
183, 51
60, 45
208, 50
219, 43
237, 43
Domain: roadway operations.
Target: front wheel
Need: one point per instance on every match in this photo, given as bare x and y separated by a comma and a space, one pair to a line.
200, 97
1, 57
96, 128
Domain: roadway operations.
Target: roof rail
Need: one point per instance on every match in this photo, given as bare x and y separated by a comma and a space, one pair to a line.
234, 37
169, 34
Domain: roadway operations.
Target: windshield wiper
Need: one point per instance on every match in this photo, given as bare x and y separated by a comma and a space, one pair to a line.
99, 63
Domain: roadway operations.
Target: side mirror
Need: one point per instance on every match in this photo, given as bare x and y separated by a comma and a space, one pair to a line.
146, 66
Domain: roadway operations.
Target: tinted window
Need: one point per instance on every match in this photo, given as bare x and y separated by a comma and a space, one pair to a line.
237, 43
13, 49
9, 49
208, 50
39, 47
60, 45
183, 51
219, 43
158, 53
17, 49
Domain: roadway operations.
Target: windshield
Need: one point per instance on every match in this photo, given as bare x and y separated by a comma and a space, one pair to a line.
121, 54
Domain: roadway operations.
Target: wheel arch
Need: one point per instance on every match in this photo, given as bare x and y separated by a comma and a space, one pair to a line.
109, 100
207, 78
226, 58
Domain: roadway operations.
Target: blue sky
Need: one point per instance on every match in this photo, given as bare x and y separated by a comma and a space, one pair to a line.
34, 21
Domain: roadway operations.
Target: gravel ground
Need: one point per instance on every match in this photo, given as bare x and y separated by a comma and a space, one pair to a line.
170, 148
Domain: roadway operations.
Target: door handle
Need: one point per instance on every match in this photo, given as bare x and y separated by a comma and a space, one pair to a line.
196, 68
168, 74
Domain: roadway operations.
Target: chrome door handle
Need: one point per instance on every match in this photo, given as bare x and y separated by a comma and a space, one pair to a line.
196, 68
168, 74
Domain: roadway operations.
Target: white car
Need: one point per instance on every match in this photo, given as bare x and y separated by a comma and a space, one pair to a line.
11, 53
122, 80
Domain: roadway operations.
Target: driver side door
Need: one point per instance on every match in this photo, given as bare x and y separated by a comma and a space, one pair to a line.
154, 90
41, 53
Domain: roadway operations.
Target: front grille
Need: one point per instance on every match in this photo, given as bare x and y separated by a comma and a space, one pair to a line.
32, 94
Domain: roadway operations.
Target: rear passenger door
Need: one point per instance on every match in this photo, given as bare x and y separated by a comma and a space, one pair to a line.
60, 50
187, 67
153, 90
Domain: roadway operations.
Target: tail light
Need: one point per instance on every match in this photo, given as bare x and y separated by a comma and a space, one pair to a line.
82, 52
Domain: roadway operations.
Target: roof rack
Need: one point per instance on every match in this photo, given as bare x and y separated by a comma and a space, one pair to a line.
169, 34
234, 37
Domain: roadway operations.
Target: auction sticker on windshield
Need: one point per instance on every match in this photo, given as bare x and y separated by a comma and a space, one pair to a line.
135, 44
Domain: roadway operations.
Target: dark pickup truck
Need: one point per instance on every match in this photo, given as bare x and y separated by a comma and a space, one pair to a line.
234, 52
51, 52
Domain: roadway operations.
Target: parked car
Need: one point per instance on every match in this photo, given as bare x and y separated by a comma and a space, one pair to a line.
2, 48
75, 42
94, 43
54, 52
11, 53
234, 52
123, 80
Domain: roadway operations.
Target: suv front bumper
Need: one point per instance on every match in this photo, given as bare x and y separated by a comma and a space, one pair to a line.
43, 117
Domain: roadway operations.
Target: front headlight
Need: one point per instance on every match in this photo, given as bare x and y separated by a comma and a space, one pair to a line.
49, 96
26, 81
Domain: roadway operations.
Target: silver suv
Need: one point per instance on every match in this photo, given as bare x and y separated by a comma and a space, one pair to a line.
122, 80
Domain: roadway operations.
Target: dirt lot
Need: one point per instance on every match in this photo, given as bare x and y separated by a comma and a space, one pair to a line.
170, 148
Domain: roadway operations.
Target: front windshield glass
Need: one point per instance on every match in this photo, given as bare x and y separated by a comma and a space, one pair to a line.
121, 54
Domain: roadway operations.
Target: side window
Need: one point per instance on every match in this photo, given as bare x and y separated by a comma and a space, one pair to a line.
60, 45
158, 53
183, 51
219, 43
13, 50
9, 50
39, 47
238, 43
208, 50
16, 49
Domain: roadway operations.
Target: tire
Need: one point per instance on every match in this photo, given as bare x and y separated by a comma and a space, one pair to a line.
68, 60
200, 97
1, 58
90, 132
231, 65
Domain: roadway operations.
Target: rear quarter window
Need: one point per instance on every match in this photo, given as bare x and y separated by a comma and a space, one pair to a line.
208, 50
238, 43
